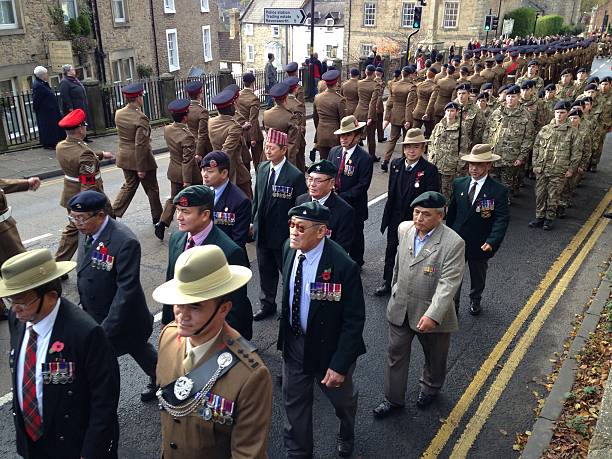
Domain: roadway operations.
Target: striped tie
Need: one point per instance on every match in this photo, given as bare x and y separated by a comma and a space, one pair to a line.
31, 415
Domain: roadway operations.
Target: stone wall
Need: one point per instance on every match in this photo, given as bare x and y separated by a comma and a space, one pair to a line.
262, 39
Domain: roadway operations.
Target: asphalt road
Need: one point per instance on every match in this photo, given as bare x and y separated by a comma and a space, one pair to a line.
514, 273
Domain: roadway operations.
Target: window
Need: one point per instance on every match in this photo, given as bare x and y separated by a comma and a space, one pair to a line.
369, 14
169, 6
331, 51
451, 15
204, 6
407, 14
69, 7
119, 11
207, 43
366, 48
275, 31
250, 53
172, 44
123, 70
8, 15
248, 29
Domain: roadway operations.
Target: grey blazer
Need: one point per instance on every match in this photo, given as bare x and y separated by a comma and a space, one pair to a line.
427, 283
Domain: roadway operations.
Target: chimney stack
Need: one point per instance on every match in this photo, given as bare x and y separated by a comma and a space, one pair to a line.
234, 20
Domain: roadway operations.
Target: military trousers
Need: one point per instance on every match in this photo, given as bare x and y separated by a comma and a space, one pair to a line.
426, 126
446, 185
358, 244
10, 242
323, 152
256, 153
435, 347
169, 208
510, 176
548, 192
478, 278
270, 264
380, 132
298, 400
397, 133
390, 253
143, 353
370, 136
128, 190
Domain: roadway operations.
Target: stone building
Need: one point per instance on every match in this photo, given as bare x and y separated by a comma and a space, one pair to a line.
329, 31
229, 43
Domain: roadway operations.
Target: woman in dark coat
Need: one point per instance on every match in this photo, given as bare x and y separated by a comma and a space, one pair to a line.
72, 92
46, 109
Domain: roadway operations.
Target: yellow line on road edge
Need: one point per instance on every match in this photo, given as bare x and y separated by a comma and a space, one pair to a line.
475, 425
454, 418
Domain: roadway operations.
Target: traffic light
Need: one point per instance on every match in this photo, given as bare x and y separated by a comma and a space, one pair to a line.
495, 23
488, 21
416, 20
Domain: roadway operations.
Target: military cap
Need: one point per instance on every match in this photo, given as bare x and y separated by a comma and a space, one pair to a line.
73, 119
323, 167
592, 79
563, 105
550, 87
456, 58
193, 87
224, 99
451, 106
248, 77
607, 79
474, 90
499, 58
433, 70
575, 111
331, 76
414, 135
279, 90
477, 52
464, 69
397, 72
514, 53
579, 103
233, 88
312, 210
355, 72
581, 70
482, 95
590, 87
532, 62
133, 90
514, 89
276, 137
349, 124
503, 88
380, 69
87, 201
408, 70
370, 68
464, 87
428, 63
216, 158
292, 81
566, 72
179, 106
429, 200
451, 69
528, 84
195, 196
486, 86
291, 67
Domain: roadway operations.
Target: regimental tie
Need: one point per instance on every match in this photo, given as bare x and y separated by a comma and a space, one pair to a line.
269, 189
472, 192
31, 415
338, 181
88, 242
190, 243
297, 295
188, 361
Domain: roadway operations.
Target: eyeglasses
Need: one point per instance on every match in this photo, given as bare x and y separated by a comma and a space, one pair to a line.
317, 181
301, 228
79, 220
12, 303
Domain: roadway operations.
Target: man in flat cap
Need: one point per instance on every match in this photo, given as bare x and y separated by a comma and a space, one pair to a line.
478, 212
350, 92
327, 111
321, 329
320, 181
426, 276
365, 112
64, 374
232, 208
81, 167
108, 281
183, 167
278, 185
197, 119
215, 391
134, 155
247, 115
555, 159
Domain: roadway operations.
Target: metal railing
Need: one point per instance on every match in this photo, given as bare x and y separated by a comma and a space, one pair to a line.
18, 118
112, 99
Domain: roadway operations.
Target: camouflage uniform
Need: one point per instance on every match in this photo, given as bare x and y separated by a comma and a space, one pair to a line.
443, 152
583, 152
554, 153
566, 92
598, 123
539, 82
472, 126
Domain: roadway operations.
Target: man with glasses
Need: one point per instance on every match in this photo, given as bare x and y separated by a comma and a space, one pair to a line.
108, 281
320, 184
321, 329
64, 375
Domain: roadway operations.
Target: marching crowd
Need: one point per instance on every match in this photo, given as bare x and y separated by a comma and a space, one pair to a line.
471, 131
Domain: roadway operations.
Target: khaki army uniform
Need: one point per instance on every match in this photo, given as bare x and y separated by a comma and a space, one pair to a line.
226, 135
500, 75
197, 121
247, 384
281, 118
299, 94
579, 85
598, 121
490, 76
327, 111
350, 92
443, 152
295, 106
247, 111
443, 74
380, 110
81, 167
368, 90
134, 155
10, 242
584, 147
565, 92
424, 91
442, 95
400, 104
477, 81
183, 169
554, 154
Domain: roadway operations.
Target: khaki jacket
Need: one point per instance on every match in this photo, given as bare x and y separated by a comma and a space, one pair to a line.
197, 121
226, 135
477, 80
328, 109
8, 231
183, 167
555, 151
380, 107
247, 110
134, 132
368, 90
424, 91
401, 102
442, 95
350, 92
282, 119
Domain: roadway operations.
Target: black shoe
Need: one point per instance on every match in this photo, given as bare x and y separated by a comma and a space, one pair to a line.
425, 400
149, 393
537, 223
383, 290
345, 447
384, 166
376, 158
313, 155
383, 140
155, 221
160, 229
475, 308
548, 225
385, 409
64, 277
263, 313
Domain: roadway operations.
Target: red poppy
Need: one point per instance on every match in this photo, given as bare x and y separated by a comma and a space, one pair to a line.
326, 275
58, 346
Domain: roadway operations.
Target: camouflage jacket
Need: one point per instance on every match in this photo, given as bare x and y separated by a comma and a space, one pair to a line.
567, 92
472, 126
443, 149
511, 133
554, 149
537, 110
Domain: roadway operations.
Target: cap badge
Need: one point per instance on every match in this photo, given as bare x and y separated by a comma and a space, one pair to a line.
183, 201
212, 163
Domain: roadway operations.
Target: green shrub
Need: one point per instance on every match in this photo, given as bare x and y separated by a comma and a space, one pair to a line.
524, 20
84, 24
74, 27
549, 25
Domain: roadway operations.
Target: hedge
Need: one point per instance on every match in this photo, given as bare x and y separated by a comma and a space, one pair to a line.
524, 20
549, 25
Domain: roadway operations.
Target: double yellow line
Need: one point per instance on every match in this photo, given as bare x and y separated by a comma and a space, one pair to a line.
483, 411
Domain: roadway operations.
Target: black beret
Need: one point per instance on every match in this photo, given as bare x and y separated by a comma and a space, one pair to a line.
216, 158
478, 66
408, 70
592, 79
87, 201
566, 72
456, 58
248, 77
380, 69
499, 58
464, 69
591, 86
503, 88
563, 105
433, 70
224, 99
579, 103
193, 87
429, 200
607, 79
451, 69
514, 54
576, 112
291, 67
179, 106
550, 87
370, 68
312, 210
487, 86
451, 105
464, 87
355, 72
514, 89
323, 167
581, 70
279, 90
532, 62
397, 72
528, 84
445, 65
195, 196
482, 95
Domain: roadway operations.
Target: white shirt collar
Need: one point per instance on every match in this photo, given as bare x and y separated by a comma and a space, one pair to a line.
96, 235
44, 327
323, 199
278, 167
314, 253
349, 152
480, 181
411, 166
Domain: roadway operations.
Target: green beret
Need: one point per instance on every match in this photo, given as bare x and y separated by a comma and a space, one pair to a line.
429, 200
323, 167
195, 196
312, 210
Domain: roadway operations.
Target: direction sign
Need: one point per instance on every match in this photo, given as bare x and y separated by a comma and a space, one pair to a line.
508, 26
284, 16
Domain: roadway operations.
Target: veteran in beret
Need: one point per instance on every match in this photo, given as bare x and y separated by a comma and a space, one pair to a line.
64, 373
215, 391
430, 261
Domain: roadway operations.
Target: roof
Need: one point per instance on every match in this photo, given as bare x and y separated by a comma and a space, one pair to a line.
326, 9
229, 49
254, 13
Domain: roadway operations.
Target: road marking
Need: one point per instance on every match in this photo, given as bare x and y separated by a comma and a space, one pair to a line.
377, 199
6, 398
37, 238
474, 426
454, 418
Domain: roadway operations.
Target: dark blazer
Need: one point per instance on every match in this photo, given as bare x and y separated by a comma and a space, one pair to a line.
354, 188
241, 315
47, 113
233, 200
341, 218
270, 225
335, 328
397, 212
475, 227
79, 418
73, 96
115, 298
